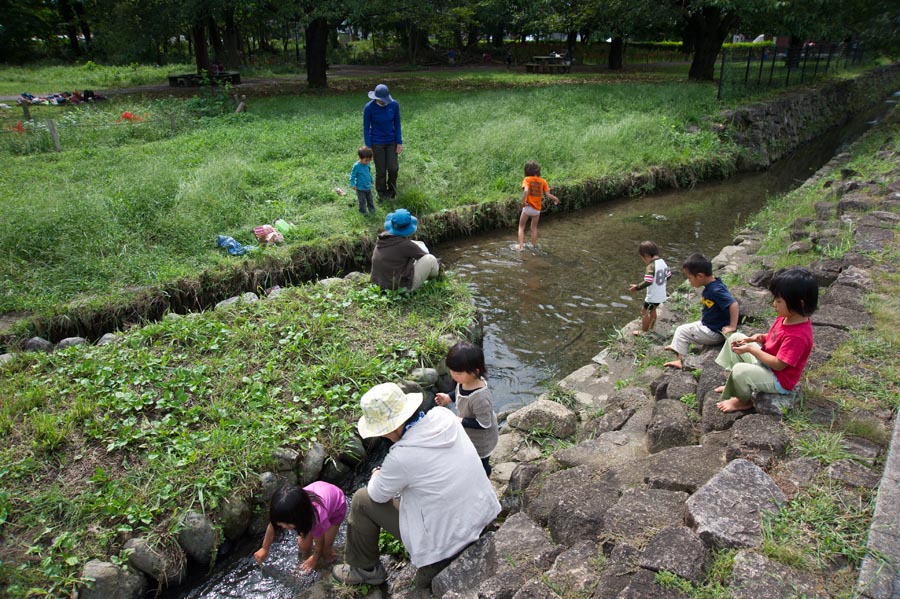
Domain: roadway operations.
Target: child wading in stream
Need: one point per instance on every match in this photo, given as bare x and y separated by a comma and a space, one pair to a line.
315, 512
774, 362
534, 189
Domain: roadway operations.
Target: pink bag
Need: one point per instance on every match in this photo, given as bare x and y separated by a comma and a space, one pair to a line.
268, 234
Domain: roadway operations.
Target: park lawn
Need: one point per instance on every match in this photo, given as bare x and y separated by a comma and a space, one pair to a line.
132, 203
99, 442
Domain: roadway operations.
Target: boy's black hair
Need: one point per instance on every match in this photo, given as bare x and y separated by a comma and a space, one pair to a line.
466, 357
532, 169
698, 264
798, 288
364, 152
292, 504
648, 248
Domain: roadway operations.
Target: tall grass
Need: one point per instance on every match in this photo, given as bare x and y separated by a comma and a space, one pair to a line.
46, 79
129, 204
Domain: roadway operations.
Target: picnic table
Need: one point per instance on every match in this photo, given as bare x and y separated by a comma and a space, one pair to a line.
547, 64
193, 79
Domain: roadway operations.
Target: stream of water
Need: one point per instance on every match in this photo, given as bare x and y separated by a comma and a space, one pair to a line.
548, 310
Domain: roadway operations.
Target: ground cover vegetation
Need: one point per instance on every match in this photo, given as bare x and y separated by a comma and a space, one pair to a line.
102, 442
129, 203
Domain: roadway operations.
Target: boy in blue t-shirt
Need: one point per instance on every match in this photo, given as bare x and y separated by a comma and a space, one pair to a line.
719, 317
361, 181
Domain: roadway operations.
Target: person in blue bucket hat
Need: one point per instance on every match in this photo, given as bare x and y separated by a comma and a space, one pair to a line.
382, 133
397, 261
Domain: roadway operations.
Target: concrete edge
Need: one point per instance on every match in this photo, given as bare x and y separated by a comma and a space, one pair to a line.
879, 575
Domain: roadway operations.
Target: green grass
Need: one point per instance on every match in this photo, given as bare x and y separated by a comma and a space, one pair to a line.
99, 441
128, 204
47, 78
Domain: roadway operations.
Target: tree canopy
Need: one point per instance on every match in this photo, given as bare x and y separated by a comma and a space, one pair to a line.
234, 32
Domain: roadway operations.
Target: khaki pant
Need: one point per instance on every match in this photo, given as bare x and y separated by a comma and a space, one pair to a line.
426, 267
694, 332
748, 375
365, 522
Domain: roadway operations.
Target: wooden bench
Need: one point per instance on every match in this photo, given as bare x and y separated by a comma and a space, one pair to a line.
194, 80
542, 67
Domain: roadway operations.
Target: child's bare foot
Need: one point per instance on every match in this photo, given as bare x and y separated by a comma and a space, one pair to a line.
734, 405
719, 389
673, 364
329, 556
638, 333
519, 247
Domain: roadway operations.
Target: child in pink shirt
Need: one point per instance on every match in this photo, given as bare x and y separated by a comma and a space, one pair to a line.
774, 362
315, 512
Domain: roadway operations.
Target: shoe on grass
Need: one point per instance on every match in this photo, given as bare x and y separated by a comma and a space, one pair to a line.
348, 574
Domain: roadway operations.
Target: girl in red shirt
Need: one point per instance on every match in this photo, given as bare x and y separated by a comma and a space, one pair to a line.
774, 362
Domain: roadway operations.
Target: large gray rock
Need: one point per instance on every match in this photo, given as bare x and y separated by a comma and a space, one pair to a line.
797, 474
711, 376
853, 474
109, 339
776, 404
545, 416
522, 552
545, 494
475, 564
198, 536
680, 384
643, 586
268, 483
71, 342
426, 377
641, 512
575, 571
580, 504
514, 446
512, 499
536, 588
727, 511
285, 459
757, 438
604, 452
622, 564
833, 315
311, 464
755, 304
827, 340
855, 277
755, 576
38, 344
234, 516
617, 409
846, 296
5, 359
683, 468
676, 549
168, 565
670, 426
713, 419
246, 298
108, 581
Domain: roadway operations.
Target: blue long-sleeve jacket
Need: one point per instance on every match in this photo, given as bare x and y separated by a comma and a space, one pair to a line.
361, 176
381, 124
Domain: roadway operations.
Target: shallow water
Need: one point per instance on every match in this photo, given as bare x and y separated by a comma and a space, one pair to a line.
548, 310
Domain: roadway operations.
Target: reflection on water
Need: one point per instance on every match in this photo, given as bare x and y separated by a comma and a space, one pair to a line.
548, 310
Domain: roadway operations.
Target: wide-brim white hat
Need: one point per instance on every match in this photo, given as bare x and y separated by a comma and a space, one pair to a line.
385, 407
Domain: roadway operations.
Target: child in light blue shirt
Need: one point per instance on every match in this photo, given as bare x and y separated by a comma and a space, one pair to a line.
361, 181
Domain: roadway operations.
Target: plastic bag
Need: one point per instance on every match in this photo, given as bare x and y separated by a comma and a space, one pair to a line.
268, 234
284, 227
234, 248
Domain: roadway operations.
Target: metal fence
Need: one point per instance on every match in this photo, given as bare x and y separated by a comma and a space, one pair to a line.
743, 70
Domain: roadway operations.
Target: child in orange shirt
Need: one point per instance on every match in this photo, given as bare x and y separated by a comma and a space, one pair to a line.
534, 188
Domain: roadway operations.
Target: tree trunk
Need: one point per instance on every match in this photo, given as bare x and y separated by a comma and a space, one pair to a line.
316, 53
68, 16
83, 23
457, 36
232, 41
570, 44
198, 32
616, 51
709, 28
215, 40
472, 35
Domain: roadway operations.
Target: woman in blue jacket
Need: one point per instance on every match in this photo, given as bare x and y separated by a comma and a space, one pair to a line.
381, 130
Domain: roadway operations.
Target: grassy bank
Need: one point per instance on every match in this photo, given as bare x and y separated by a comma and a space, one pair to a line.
128, 204
99, 443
